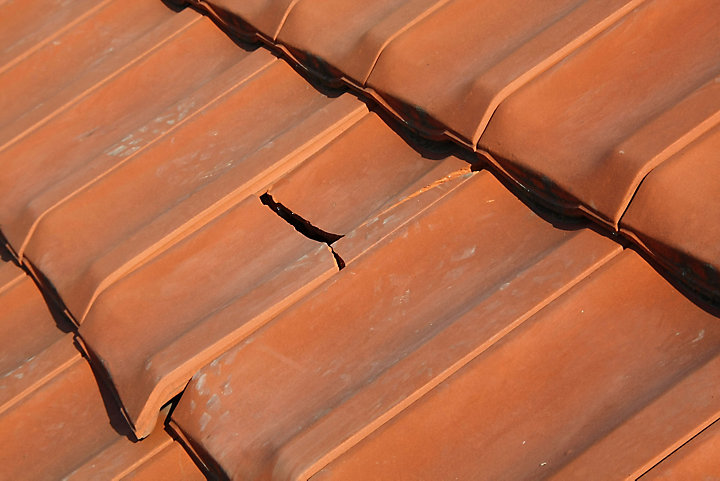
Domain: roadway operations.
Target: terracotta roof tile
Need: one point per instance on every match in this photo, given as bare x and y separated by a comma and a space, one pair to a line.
311, 34
601, 384
249, 264
102, 131
378, 335
268, 123
459, 63
582, 136
108, 67
52, 414
675, 214
347, 299
695, 460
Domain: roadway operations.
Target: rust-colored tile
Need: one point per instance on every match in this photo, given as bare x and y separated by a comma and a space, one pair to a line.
34, 348
61, 429
156, 457
264, 16
601, 384
79, 58
172, 463
27, 23
437, 292
111, 67
585, 132
362, 171
113, 123
208, 292
698, 459
271, 121
344, 38
453, 68
675, 214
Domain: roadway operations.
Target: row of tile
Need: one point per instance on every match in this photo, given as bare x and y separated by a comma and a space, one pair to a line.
55, 420
571, 100
534, 352
139, 204
101, 208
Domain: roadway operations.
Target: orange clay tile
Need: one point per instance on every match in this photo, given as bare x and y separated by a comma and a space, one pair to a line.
675, 215
584, 133
601, 384
61, 430
698, 459
49, 101
53, 418
33, 346
389, 327
453, 68
345, 37
27, 24
208, 292
264, 17
63, 67
172, 463
363, 170
268, 123
113, 122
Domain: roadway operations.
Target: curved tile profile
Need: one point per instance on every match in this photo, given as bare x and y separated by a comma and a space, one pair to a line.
312, 36
64, 67
695, 460
109, 65
114, 121
584, 133
363, 171
249, 265
383, 332
601, 384
267, 123
675, 215
263, 18
53, 417
28, 24
61, 430
447, 74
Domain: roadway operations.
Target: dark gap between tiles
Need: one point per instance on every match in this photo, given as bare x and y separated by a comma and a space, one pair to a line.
304, 226
717, 421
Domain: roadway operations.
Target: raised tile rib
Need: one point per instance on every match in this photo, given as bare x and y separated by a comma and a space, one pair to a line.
377, 336
266, 124
75, 60
109, 67
447, 74
262, 17
584, 133
61, 429
29, 24
601, 384
171, 463
675, 215
357, 175
154, 458
697, 459
34, 349
313, 38
209, 292
117, 120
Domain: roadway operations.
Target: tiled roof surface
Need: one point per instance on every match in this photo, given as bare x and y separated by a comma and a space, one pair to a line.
261, 275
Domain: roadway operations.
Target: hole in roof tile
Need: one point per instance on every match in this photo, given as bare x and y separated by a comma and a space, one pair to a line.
303, 226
